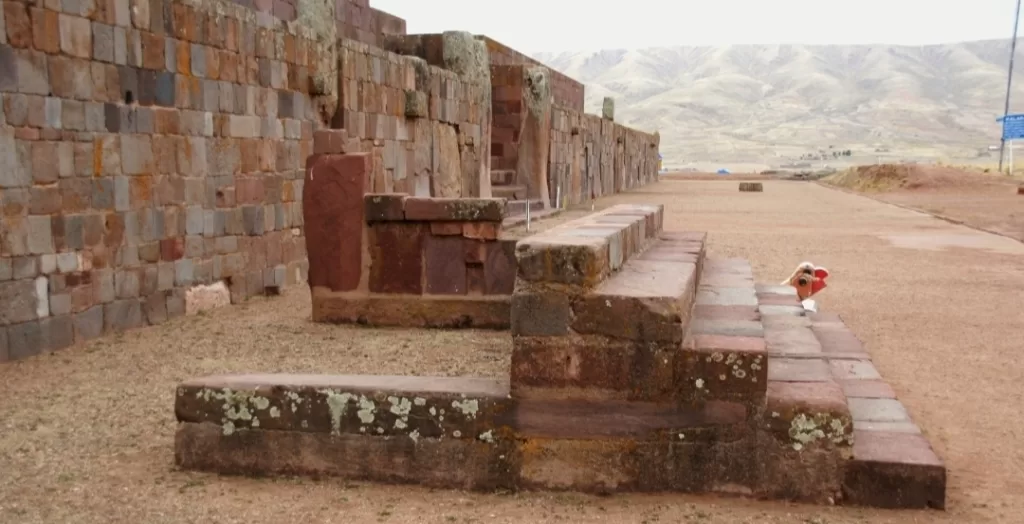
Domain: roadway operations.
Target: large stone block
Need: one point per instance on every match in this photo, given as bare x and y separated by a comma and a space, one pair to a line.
894, 470
396, 257
333, 219
455, 209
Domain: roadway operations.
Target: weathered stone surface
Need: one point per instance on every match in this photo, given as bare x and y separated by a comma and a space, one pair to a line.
808, 414
500, 268
787, 340
798, 370
445, 274
486, 312
715, 367
441, 463
577, 261
877, 410
332, 211
384, 207
867, 388
447, 179
591, 367
20, 301
396, 257
848, 370
455, 209
427, 407
540, 314
894, 470
646, 301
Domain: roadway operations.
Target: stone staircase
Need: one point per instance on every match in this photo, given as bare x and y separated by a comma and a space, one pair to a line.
639, 364
503, 185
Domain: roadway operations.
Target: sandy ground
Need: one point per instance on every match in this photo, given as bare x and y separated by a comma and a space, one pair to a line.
86, 434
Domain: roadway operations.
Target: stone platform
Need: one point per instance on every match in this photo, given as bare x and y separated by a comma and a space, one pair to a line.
639, 364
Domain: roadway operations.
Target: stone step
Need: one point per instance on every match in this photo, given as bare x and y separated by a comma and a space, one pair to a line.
516, 192
618, 341
611, 446
440, 432
503, 177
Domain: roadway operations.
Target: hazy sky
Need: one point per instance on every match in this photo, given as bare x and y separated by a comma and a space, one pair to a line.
571, 25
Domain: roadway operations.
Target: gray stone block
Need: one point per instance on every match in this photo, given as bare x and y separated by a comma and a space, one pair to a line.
165, 276
127, 283
194, 220
155, 308
6, 268
60, 304
89, 323
31, 267
175, 305
198, 60
25, 340
184, 272
102, 42
58, 332
5, 354
120, 315
253, 220
103, 282
13, 169
19, 301
74, 231
31, 72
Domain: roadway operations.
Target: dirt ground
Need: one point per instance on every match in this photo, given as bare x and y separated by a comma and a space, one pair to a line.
86, 434
986, 201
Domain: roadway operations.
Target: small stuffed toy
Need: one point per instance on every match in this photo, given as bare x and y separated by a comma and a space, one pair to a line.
808, 280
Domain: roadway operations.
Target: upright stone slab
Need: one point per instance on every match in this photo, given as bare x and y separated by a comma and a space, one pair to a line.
535, 136
333, 219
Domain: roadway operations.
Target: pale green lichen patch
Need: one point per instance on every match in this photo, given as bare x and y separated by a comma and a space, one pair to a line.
469, 407
806, 429
487, 436
236, 407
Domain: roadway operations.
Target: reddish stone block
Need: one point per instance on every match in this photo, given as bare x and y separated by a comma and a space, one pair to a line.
384, 207
396, 257
475, 281
500, 268
715, 367
333, 219
172, 249
19, 25
820, 405
894, 470
448, 229
791, 340
45, 30
445, 274
838, 340
481, 230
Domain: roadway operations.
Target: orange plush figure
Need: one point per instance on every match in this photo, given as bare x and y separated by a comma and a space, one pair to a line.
808, 280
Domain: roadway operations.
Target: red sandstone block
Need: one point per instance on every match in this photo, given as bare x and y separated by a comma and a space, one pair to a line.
384, 207
329, 141
396, 257
449, 229
843, 370
791, 340
838, 339
481, 230
500, 268
333, 219
894, 470
445, 274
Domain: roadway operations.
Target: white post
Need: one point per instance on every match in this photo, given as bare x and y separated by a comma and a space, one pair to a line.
527, 214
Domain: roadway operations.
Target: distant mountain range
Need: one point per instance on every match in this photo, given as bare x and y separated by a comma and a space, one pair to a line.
765, 103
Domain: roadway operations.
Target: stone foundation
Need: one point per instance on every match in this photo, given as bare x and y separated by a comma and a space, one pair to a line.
639, 365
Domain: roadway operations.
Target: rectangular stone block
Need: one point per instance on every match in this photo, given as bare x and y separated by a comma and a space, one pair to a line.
715, 367
384, 207
455, 209
444, 274
809, 415
500, 268
396, 257
894, 470
647, 301
393, 406
591, 367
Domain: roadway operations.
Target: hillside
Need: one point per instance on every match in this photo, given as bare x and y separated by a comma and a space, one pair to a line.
774, 103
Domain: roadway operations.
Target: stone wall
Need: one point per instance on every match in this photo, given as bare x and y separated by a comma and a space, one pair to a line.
592, 157
424, 125
566, 91
507, 110
146, 147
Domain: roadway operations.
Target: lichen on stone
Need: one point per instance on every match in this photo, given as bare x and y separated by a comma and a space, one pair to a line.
469, 407
805, 429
